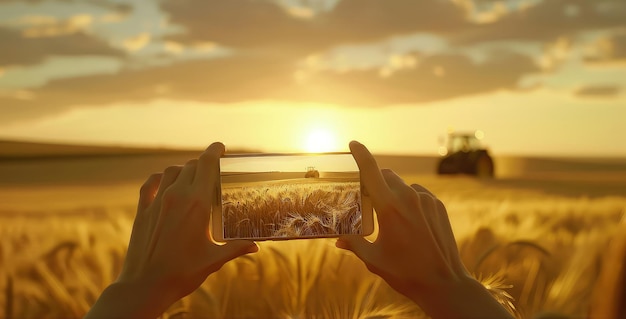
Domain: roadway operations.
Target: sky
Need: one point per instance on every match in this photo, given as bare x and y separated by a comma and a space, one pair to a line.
538, 77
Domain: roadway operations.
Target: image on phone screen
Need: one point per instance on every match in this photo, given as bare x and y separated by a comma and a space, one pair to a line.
290, 196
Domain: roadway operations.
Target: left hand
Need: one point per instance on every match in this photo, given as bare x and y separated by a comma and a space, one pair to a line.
170, 252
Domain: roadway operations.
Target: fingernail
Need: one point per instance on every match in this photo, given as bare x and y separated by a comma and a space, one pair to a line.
341, 244
220, 145
253, 249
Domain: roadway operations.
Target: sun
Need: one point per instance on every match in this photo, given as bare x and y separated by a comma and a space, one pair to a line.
320, 140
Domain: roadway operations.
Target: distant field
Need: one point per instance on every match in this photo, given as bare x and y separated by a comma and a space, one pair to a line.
33, 150
539, 234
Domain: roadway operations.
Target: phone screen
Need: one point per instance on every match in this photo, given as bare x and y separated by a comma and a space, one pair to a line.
290, 196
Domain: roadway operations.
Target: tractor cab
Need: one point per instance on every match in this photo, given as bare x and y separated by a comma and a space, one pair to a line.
463, 143
464, 154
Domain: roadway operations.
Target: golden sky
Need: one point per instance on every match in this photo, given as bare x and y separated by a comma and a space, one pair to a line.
539, 77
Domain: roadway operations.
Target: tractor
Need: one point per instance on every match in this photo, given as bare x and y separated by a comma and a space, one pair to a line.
465, 155
311, 172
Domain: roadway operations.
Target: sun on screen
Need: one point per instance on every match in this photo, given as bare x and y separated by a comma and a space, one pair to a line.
320, 141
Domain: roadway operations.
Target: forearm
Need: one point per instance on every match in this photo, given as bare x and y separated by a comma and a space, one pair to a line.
465, 298
122, 300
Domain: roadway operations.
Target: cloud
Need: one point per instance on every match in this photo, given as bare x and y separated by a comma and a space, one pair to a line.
301, 12
608, 49
20, 50
118, 7
173, 47
47, 26
433, 78
367, 20
271, 42
121, 8
264, 24
231, 79
236, 23
598, 91
555, 53
137, 42
248, 24
546, 21
243, 77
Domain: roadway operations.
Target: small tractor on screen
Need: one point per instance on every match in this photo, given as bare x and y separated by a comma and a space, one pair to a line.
311, 172
464, 154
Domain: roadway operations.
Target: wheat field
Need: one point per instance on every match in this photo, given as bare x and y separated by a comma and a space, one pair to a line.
539, 250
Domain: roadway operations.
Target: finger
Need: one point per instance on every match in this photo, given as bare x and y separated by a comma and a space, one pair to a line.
141, 225
439, 231
169, 177
371, 177
395, 183
421, 189
148, 191
448, 235
187, 173
207, 172
405, 195
429, 211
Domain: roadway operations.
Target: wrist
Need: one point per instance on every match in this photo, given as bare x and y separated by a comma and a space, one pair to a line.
463, 297
131, 299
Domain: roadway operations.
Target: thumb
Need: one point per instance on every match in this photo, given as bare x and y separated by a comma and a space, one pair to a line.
234, 249
240, 247
362, 248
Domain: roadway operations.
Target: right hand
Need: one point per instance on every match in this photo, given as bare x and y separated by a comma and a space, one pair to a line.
415, 251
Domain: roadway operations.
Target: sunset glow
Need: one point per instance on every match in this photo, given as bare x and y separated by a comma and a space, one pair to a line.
321, 140
157, 73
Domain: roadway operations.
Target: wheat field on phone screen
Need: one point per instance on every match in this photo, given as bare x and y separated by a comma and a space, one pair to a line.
293, 208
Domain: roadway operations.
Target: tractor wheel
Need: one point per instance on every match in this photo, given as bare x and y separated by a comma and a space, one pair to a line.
484, 167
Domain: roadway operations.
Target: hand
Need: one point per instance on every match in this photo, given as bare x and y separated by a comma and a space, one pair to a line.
415, 251
170, 252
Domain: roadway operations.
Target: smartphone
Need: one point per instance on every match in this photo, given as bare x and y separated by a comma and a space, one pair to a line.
290, 196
